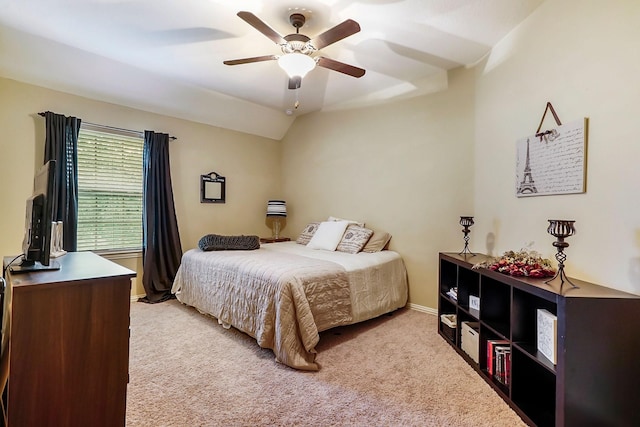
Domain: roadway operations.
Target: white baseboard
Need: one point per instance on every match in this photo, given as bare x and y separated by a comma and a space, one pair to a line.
135, 298
423, 309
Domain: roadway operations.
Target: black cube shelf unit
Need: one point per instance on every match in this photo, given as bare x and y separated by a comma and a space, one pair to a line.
596, 378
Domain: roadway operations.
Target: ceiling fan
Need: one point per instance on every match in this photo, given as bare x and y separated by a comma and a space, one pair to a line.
297, 49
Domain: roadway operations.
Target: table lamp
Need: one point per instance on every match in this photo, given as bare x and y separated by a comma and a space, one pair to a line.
276, 209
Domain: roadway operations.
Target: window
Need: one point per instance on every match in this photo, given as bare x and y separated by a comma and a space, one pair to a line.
109, 189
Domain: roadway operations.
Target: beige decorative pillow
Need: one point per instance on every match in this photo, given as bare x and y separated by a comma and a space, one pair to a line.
377, 242
354, 239
308, 232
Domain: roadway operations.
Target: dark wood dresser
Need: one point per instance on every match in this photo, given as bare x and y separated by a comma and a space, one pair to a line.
65, 346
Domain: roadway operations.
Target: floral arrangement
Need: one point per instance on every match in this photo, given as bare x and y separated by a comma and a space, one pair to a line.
521, 263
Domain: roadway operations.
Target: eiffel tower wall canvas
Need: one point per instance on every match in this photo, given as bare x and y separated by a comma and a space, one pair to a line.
554, 163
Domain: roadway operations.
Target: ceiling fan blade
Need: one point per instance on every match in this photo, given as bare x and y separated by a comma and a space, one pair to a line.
340, 67
259, 25
335, 34
249, 60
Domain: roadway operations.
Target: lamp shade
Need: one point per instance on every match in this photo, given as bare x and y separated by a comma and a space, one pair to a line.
276, 208
466, 221
296, 64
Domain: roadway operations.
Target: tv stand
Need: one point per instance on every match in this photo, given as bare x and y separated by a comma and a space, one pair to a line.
65, 343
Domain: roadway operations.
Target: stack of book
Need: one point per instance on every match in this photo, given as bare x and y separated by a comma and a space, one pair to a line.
499, 360
503, 365
453, 293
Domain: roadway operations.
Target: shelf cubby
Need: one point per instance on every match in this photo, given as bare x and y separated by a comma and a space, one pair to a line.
495, 305
533, 389
524, 332
486, 335
447, 306
468, 284
448, 276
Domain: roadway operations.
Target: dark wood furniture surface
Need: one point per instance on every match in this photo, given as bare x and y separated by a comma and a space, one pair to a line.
67, 353
596, 379
274, 240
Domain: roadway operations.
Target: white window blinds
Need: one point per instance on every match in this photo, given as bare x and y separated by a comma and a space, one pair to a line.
109, 189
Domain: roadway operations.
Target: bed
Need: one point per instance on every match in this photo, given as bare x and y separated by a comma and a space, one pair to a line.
283, 294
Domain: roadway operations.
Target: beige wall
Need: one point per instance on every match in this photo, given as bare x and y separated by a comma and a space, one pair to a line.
406, 168
251, 165
583, 57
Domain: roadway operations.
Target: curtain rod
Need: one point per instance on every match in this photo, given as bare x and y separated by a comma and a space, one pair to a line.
137, 132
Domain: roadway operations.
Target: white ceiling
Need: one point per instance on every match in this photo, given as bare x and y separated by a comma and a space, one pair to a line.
166, 56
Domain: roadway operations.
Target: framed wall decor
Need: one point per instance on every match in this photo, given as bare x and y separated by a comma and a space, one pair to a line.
212, 188
553, 161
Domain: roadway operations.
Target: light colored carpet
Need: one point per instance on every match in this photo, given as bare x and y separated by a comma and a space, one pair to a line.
186, 370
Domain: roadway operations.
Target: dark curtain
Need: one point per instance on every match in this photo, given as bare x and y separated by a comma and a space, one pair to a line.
61, 145
161, 250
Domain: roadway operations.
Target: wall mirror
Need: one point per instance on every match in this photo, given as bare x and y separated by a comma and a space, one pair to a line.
212, 188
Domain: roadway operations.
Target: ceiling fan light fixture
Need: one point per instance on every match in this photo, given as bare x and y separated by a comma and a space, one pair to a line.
296, 64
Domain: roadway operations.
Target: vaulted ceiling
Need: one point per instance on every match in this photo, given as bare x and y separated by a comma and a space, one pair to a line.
166, 56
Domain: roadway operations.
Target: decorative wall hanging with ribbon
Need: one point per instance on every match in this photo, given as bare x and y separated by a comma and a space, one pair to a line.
553, 161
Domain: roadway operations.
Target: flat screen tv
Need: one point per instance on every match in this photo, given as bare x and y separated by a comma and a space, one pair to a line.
36, 246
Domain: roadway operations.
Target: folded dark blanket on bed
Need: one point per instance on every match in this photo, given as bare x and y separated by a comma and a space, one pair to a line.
216, 242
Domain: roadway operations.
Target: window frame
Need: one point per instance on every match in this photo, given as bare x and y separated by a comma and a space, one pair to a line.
107, 133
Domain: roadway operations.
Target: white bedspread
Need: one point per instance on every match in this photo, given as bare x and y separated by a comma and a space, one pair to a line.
378, 281
284, 294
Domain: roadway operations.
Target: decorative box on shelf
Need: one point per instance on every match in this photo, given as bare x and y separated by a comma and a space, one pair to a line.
470, 342
449, 326
547, 327
274, 239
474, 305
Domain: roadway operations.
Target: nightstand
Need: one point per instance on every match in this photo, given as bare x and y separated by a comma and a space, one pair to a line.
274, 240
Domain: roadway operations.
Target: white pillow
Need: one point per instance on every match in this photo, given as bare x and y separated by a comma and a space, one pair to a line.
328, 235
